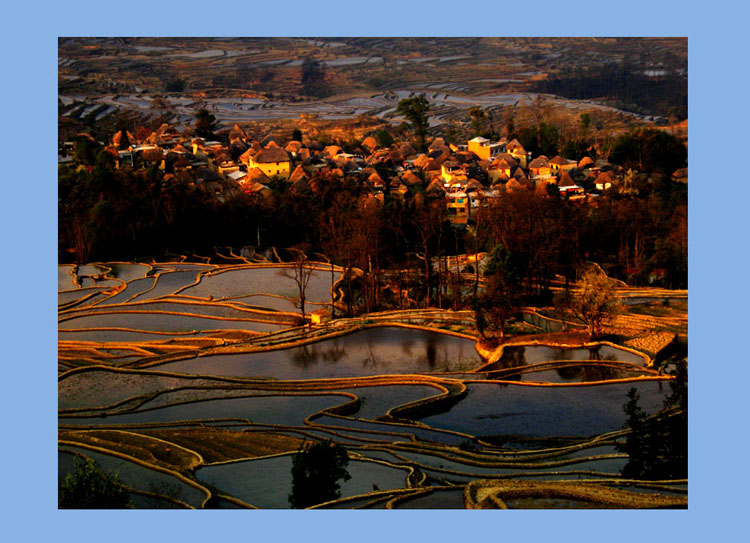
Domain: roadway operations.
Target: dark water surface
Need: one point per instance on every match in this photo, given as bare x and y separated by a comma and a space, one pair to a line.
374, 351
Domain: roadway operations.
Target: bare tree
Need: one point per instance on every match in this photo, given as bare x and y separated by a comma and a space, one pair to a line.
300, 272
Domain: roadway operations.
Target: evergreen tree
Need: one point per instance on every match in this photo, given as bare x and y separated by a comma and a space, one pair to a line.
316, 471
88, 487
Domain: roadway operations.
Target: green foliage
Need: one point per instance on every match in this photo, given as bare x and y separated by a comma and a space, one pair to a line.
625, 83
85, 150
596, 301
205, 124
384, 138
88, 487
542, 139
478, 119
415, 110
316, 471
649, 150
502, 296
657, 446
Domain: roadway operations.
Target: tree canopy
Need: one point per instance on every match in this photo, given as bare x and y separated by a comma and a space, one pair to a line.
205, 124
415, 110
657, 445
316, 471
88, 487
649, 150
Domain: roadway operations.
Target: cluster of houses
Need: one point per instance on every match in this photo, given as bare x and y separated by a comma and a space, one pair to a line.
466, 176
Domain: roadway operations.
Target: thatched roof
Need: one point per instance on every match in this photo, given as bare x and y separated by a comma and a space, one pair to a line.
332, 150
539, 162
586, 162
152, 155
298, 174
421, 160
514, 145
256, 175
369, 143
559, 161
436, 187
275, 154
293, 146
236, 133
407, 150
410, 178
566, 181
246, 156
117, 138
376, 180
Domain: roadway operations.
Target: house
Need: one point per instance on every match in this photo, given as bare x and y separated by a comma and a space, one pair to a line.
567, 186
604, 180
500, 168
458, 207
516, 150
272, 162
540, 166
484, 148
560, 164
452, 172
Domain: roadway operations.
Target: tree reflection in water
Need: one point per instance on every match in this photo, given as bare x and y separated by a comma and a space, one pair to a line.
308, 355
585, 372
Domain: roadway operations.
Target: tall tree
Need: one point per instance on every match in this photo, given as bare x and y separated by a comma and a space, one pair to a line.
316, 471
300, 272
205, 124
596, 301
415, 110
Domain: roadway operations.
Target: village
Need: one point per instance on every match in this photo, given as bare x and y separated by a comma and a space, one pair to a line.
466, 176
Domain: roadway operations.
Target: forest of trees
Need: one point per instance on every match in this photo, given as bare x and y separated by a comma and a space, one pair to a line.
663, 95
106, 213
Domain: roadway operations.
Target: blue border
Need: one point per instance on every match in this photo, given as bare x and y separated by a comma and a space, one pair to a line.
717, 201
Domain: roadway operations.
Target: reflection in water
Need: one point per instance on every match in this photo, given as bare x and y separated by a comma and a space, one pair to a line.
431, 352
308, 355
588, 372
368, 352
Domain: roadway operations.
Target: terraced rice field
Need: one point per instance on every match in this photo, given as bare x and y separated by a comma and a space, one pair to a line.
183, 378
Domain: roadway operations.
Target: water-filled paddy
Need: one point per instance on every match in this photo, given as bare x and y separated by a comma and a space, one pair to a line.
583, 372
184, 306
244, 281
76, 295
374, 351
142, 320
377, 400
284, 410
538, 411
437, 499
133, 288
525, 355
168, 283
65, 277
126, 271
114, 336
135, 475
267, 482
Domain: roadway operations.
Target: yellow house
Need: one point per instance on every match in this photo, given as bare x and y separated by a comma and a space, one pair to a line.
452, 172
458, 207
516, 150
274, 161
484, 148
